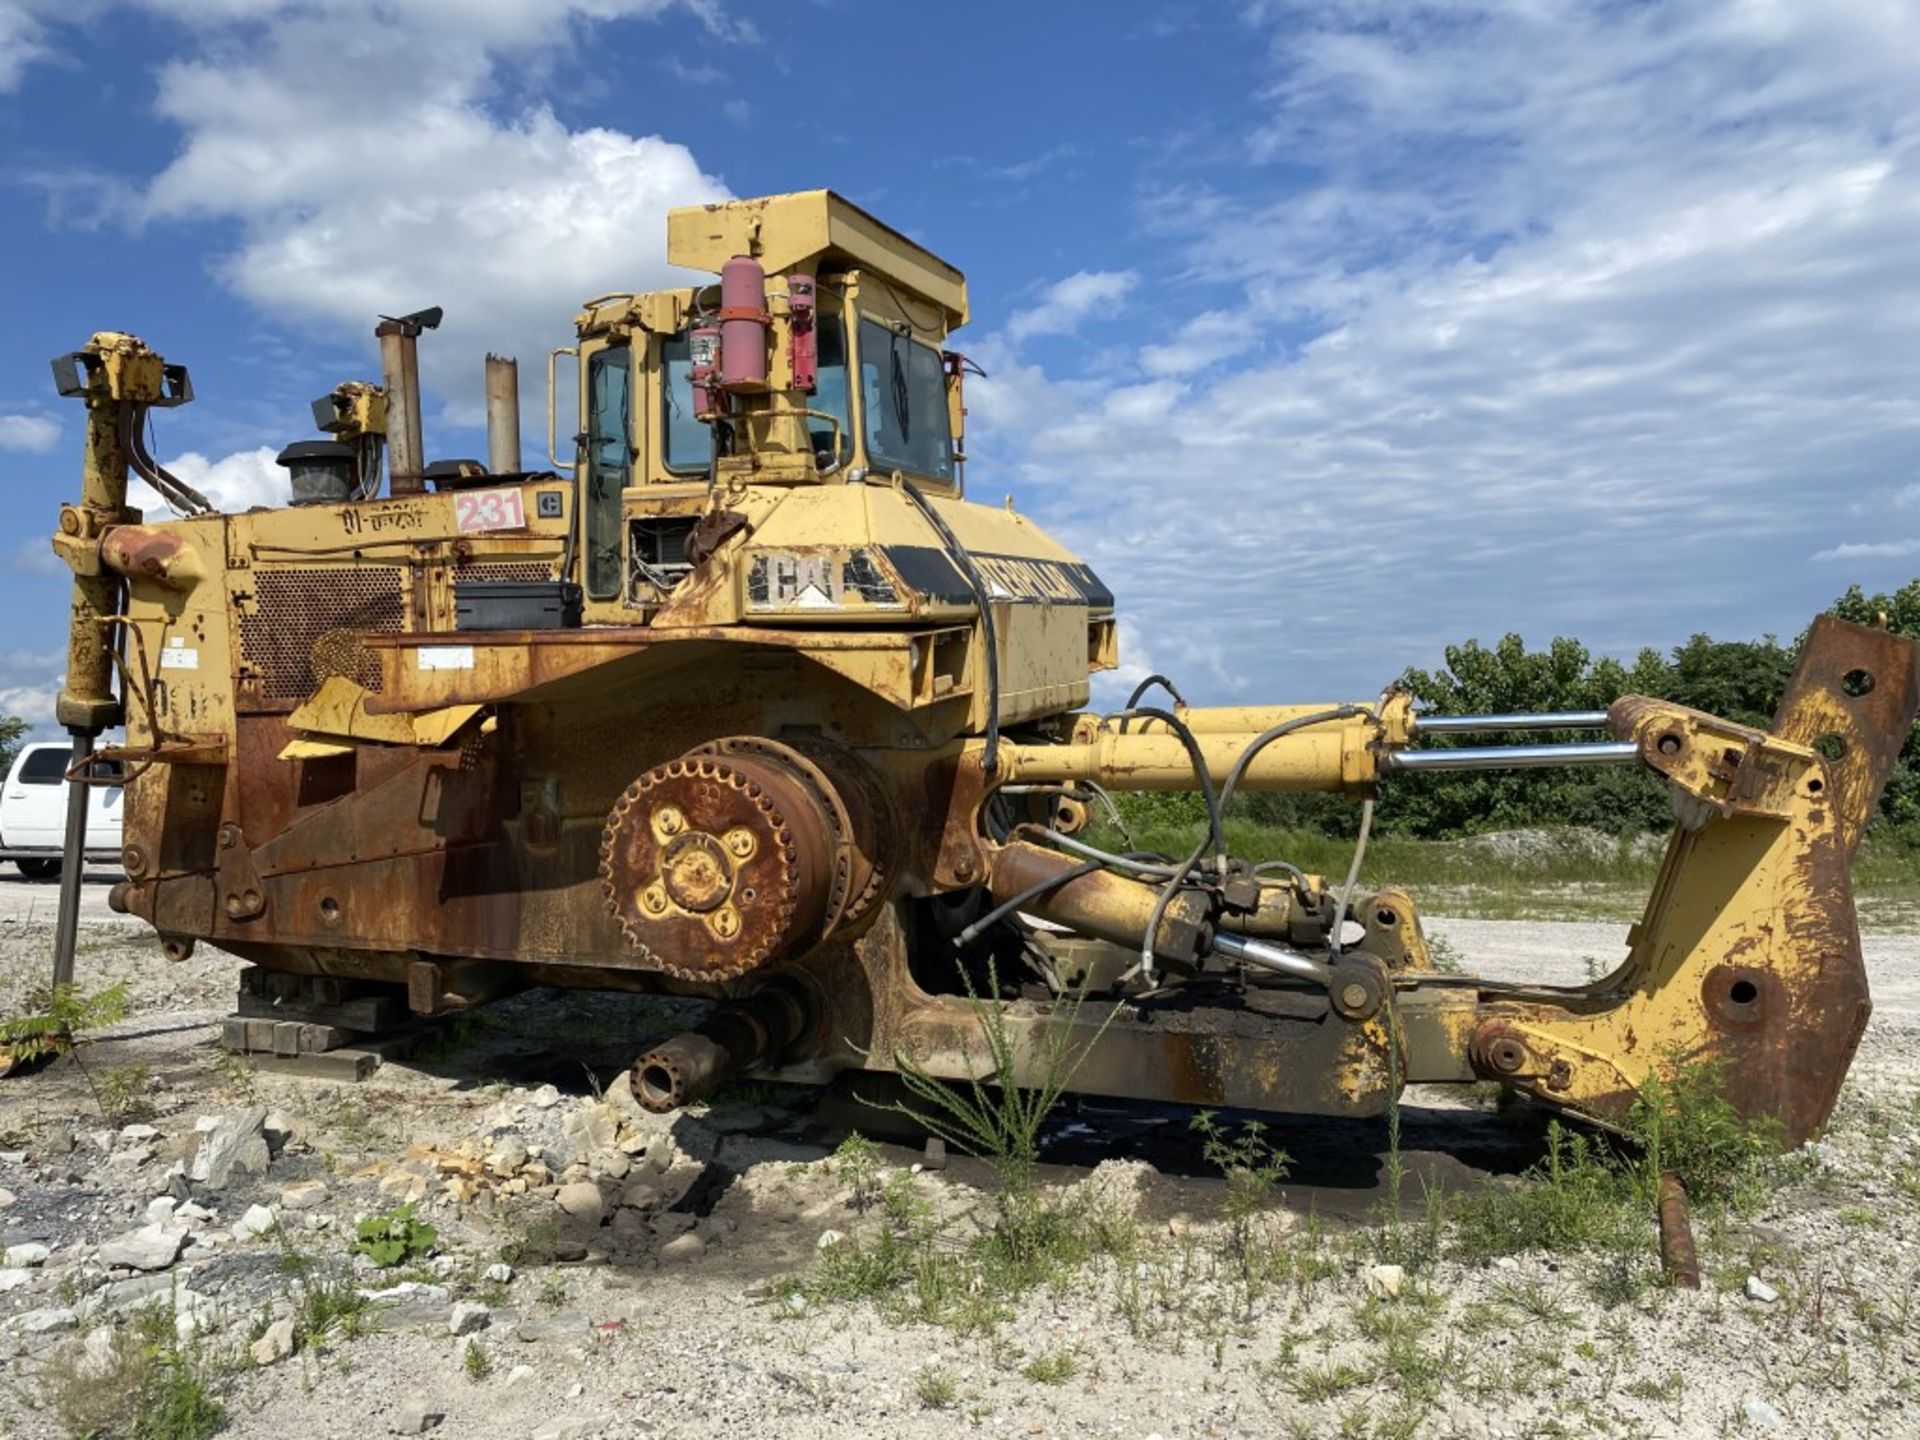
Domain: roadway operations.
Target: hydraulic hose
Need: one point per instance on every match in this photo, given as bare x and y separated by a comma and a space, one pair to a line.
1254, 747
1216, 832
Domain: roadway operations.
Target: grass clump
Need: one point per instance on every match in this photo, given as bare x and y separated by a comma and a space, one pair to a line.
1597, 1194
966, 1273
149, 1385
1577, 1198
122, 1093
475, 1361
330, 1308
1054, 1367
936, 1387
1687, 1125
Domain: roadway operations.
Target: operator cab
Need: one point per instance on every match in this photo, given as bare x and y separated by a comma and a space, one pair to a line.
819, 357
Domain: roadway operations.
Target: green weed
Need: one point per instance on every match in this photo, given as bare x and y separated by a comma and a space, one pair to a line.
57, 1019
1054, 1367
395, 1237
856, 1165
936, 1387
475, 1361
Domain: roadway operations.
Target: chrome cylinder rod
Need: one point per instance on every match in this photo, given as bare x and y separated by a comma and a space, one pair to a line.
1268, 956
1477, 724
1513, 757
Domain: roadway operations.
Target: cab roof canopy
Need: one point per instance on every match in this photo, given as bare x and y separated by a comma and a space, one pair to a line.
786, 232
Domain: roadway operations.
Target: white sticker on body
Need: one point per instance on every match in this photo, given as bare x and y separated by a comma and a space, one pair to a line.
445, 657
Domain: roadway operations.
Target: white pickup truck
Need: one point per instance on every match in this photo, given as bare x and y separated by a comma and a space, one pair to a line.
33, 811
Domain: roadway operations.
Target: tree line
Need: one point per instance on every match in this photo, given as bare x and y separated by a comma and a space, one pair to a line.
1739, 680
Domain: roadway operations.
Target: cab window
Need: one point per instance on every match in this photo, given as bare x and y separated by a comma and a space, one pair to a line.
830, 394
44, 767
687, 442
903, 389
609, 465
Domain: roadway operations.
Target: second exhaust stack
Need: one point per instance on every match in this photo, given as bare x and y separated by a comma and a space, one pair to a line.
503, 415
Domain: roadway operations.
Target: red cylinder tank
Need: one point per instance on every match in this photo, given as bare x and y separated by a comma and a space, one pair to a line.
802, 345
744, 324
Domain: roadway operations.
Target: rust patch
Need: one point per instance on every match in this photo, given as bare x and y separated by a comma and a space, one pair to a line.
1858, 690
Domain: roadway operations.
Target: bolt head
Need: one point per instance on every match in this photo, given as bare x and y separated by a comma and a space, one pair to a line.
1353, 995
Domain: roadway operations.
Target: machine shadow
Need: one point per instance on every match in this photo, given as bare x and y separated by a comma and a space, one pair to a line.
1337, 1168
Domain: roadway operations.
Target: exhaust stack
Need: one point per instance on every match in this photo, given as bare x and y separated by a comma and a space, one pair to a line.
400, 365
503, 415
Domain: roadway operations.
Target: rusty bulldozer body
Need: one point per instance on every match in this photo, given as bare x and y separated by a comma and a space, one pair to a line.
742, 699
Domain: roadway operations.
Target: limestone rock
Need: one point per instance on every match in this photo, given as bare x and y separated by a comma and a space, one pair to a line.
276, 1344
609, 1165
258, 1220
44, 1322
1385, 1282
572, 1427
416, 1416
581, 1200
307, 1195
151, 1247
467, 1317
27, 1254
641, 1195
1764, 1417
683, 1249
234, 1144
591, 1128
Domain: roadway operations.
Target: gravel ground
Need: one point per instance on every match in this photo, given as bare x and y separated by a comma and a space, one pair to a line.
656, 1313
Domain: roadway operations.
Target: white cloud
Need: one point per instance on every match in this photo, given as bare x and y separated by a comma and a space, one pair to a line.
35, 433
22, 42
1870, 550
29, 683
701, 74
366, 182
364, 153
1203, 341
1586, 319
232, 483
1066, 303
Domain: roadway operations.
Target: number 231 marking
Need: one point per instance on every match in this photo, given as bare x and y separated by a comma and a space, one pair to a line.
476, 510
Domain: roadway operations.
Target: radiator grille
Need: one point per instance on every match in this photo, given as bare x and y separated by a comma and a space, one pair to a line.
306, 625
506, 570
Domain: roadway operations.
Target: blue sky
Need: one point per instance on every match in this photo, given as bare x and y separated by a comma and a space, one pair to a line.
1328, 333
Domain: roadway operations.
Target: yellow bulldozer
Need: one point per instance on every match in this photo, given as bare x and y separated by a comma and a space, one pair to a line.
740, 697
